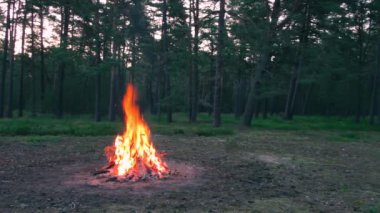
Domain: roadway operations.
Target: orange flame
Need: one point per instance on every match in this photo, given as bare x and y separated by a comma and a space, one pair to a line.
133, 152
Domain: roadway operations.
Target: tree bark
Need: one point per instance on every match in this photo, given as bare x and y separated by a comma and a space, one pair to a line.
42, 57
32, 67
22, 64
113, 79
112, 100
237, 97
165, 48
375, 85
261, 64
239, 94
361, 60
191, 64
195, 68
62, 65
252, 97
219, 66
265, 111
13, 38
5, 58
98, 61
293, 88
211, 77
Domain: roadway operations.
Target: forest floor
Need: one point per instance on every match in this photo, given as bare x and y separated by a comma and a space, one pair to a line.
250, 171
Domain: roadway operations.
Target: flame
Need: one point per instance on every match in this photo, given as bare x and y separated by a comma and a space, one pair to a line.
133, 152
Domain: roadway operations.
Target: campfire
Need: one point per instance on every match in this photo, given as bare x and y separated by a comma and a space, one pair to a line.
133, 156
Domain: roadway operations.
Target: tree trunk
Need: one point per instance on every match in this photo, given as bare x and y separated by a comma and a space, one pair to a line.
212, 78
13, 38
249, 107
165, 74
5, 58
237, 97
42, 56
191, 62
112, 100
375, 84
293, 88
361, 61
113, 82
290, 102
219, 66
32, 67
265, 111
195, 68
169, 114
261, 64
239, 94
22, 65
98, 74
62, 65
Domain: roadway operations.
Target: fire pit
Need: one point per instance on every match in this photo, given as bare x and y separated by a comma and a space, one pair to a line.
133, 156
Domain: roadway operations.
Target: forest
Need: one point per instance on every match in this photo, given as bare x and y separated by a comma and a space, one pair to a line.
248, 58
282, 95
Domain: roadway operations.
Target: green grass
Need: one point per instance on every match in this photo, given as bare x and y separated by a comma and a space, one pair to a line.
48, 126
85, 126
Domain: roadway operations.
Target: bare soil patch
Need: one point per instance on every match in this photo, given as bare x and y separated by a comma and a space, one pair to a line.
261, 171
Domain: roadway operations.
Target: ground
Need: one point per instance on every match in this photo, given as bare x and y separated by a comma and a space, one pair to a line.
251, 171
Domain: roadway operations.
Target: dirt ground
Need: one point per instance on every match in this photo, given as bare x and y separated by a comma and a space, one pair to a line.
256, 171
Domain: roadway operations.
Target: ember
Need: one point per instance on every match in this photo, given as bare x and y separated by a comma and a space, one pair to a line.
133, 156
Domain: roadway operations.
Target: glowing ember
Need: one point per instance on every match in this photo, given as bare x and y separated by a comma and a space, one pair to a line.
133, 154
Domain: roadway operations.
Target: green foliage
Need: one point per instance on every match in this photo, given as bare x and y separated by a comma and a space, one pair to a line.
48, 126
335, 77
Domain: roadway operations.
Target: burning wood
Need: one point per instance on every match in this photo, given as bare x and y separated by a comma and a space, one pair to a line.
133, 156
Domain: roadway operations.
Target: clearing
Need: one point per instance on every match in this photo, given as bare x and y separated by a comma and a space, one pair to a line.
257, 170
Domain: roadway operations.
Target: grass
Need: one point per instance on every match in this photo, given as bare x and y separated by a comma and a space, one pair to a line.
48, 126
85, 126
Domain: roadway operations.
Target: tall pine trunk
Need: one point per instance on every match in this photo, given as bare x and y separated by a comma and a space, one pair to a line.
375, 85
32, 67
211, 77
195, 66
42, 58
5, 58
255, 82
13, 35
261, 64
219, 66
113, 79
22, 64
191, 58
62, 65
361, 60
293, 87
166, 77
98, 61
112, 100
239, 85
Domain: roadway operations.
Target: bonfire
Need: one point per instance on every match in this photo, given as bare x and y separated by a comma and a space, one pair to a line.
133, 155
